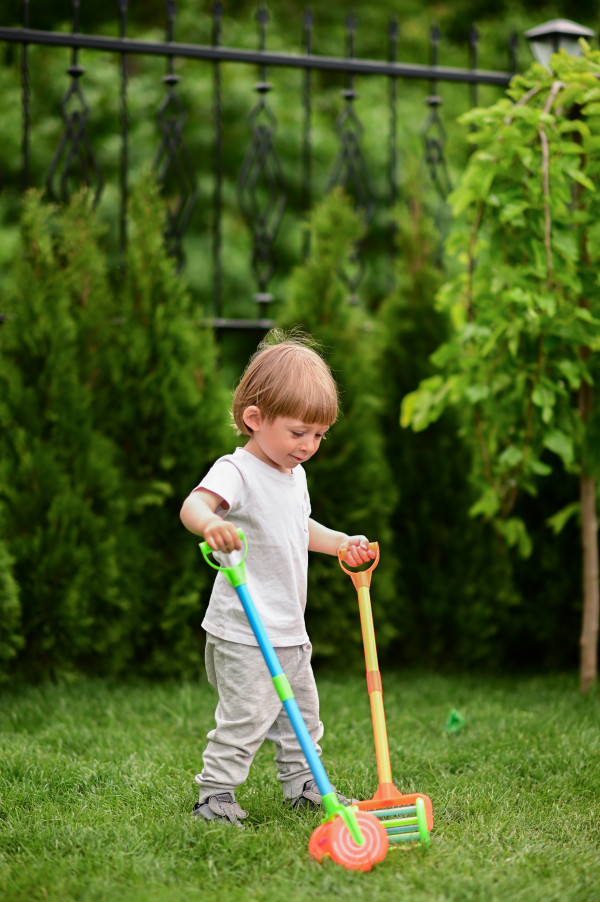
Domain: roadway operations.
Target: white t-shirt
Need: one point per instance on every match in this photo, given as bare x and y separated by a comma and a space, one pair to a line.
273, 509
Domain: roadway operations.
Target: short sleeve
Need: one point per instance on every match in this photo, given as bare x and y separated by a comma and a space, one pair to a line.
226, 481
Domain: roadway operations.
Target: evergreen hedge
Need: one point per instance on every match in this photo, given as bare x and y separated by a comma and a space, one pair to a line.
114, 401
162, 403
111, 408
60, 487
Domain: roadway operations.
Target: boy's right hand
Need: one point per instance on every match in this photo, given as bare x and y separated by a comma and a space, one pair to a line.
222, 535
198, 515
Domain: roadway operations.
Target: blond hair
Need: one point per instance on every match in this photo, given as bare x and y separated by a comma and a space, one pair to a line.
286, 377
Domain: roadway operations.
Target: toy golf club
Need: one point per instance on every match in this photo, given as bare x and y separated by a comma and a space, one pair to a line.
405, 816
354, 839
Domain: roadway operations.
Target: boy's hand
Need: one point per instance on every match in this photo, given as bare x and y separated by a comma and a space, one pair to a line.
357, 550
222, 535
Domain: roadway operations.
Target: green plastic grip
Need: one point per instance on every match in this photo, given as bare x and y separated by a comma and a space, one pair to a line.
236, 574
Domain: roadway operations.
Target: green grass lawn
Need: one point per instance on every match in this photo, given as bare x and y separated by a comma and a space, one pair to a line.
96, 788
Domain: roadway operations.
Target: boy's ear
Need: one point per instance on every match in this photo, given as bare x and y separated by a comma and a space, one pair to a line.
253, 418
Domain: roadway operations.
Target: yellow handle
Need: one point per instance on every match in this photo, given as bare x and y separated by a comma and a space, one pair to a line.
360, 576
362, 583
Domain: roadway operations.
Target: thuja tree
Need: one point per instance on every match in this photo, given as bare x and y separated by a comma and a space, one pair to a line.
159, 397
111, 409
350, 484
61, 503
522, 363
11, 638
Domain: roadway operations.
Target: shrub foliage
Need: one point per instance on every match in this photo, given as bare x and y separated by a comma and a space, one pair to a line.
110, 405
114, 401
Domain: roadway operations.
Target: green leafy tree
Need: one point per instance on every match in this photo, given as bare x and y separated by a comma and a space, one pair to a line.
523, 359
350, 483
455, 594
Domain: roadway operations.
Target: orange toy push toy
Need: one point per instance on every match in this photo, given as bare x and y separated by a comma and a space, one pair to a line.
405, 816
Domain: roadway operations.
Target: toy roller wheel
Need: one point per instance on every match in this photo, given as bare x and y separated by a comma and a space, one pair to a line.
318, 846
343, 850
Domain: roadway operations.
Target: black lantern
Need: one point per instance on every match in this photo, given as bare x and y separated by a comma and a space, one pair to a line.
558, 34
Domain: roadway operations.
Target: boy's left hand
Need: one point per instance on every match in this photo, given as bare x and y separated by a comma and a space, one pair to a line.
358, 551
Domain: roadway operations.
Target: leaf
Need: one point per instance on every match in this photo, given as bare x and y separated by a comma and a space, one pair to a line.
543, 396
519, 295
571, 371
591, 144
511, 456
445, 354
561, 444
566, 243
477, 392
578, 176
514, 333
570, 147
547, 303
495, 336
407, 409
559, 520
593, 238
568, 126
592, 109
425, 405
513, 212
460, 199
487, 505
540, 468
515, 533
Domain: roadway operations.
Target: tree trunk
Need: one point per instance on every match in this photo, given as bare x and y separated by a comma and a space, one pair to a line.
588, 642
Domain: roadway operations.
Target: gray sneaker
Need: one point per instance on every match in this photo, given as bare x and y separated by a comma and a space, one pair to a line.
310, 797
222, 808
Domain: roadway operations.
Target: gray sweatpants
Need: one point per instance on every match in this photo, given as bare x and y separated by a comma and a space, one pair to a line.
250, 711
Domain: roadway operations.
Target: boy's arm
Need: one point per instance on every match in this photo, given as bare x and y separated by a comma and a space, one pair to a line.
198, 515
329, 541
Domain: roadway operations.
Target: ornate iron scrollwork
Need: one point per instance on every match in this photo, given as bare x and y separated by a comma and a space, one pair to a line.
74, 156
350, 169
261, 185
434, 134
172, 162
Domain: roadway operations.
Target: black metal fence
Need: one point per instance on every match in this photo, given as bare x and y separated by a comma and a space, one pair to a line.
261, 184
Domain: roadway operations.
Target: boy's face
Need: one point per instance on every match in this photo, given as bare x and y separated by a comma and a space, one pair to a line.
284, 442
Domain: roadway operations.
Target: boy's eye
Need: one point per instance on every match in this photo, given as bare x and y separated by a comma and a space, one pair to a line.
318, 435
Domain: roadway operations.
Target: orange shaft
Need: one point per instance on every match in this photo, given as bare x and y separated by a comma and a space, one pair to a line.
382, 751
